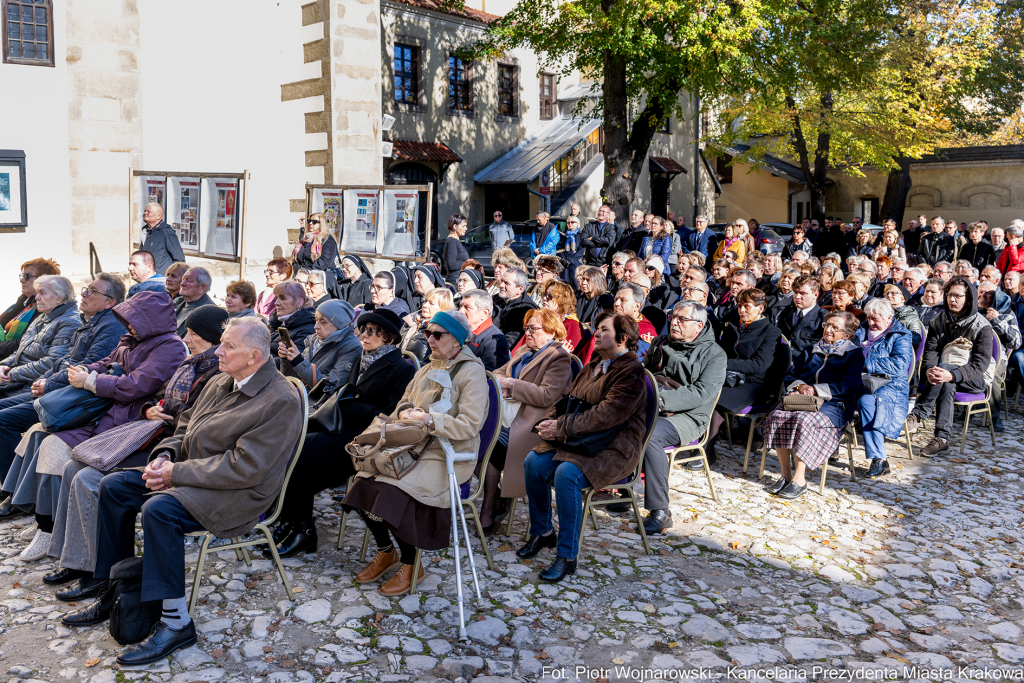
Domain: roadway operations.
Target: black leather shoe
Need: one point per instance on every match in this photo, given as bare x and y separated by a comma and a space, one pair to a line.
496, 524
63, 575
698, 466
282, 531
657, 521
11, 512
879, 467
161, 642
538, 543
96, 613
558, 570
86, 588
301, 540
792, 491
777, 485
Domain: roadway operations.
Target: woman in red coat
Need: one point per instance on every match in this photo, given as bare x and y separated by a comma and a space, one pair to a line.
558, 296
1012, 257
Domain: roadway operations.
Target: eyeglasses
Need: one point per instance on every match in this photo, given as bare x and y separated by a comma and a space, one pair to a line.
680, 319
436, 334
650, 268
694, 289
548, 297
302, 282
379, 288
368, 331
25, 277
958, 297
268, 271
89, 291
830, 326
313, 221
533, 329
617, 263
545, 271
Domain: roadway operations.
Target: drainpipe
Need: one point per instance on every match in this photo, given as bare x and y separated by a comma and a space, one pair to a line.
697, 164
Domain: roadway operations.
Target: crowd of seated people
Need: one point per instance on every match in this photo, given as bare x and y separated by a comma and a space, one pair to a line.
826, 335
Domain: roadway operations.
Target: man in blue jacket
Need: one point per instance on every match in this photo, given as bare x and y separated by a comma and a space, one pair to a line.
142, 269
94, 340
160, 239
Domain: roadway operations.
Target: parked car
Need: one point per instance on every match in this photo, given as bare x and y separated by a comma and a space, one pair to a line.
771, 241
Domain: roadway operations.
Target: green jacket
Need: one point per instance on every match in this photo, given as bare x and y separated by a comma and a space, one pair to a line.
699, 367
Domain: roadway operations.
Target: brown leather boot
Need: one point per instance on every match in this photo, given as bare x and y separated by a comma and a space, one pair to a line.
401, 582
380, 565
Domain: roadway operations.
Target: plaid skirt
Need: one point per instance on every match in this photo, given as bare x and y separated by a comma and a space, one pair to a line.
811, 436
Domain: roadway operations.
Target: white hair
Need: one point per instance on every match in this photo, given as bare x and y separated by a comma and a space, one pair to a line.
879, 306
58, 285
254, 334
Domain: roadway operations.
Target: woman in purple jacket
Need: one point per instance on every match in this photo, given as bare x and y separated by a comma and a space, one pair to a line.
148, 355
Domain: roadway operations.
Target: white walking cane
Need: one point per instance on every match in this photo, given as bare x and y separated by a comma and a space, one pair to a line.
443, 405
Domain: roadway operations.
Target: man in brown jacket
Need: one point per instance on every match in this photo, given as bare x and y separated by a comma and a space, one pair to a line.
220, 471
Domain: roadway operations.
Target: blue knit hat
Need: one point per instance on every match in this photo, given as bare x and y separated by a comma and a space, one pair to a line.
451, 325
339, 313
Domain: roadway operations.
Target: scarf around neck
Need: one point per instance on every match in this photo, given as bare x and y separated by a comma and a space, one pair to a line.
370, 357
180, 385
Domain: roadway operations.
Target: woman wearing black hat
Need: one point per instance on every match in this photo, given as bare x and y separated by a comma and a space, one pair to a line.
897, 295
376, 381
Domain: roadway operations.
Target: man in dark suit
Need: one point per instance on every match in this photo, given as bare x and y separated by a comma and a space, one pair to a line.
597, 238
160, 239
632, 237
801, 321
701, 239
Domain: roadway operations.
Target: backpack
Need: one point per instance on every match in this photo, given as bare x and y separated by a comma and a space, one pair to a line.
131, 619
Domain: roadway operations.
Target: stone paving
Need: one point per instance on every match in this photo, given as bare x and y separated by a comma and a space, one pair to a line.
914, 577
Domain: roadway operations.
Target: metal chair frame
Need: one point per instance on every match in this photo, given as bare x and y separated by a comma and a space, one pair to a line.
757, 419
983, 406
241, 545
629, 487
702, 455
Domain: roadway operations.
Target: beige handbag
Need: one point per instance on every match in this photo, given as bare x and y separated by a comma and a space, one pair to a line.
802, 403
389, 447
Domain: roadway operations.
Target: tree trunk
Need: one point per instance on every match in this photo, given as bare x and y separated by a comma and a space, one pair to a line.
618, 186
897, 186
816, 176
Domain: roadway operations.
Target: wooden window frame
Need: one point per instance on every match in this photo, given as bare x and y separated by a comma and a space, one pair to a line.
469, 70
551, 100
514, 85
419, 94
7, 59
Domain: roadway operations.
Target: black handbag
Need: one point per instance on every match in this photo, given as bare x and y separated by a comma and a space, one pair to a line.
585, 444
70, 407
131, 619
873, 381
734, 379
327, 415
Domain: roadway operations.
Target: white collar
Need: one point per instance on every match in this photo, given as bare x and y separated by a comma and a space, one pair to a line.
241, 383
805, 311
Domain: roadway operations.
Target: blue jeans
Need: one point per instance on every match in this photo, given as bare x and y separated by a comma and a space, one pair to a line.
1016, 366
874, 441
542, 471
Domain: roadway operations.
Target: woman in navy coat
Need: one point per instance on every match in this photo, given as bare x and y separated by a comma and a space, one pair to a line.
830, 369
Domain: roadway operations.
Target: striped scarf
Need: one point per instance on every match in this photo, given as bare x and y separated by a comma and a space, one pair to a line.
17, 326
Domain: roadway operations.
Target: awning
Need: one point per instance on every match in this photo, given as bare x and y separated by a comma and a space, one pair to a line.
666, 165
408, 150
534, 154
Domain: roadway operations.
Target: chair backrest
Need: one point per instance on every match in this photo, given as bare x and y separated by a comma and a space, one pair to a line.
650, 419
576, 364
275, 509
489, 431
411, 358
783, 360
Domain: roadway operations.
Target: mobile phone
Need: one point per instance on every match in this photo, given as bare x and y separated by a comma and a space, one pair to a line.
285, 338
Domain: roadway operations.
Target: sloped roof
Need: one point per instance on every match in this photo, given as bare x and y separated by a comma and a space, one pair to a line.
774, 165
529, 159
464, 12
973, 154
410, 150
667, 165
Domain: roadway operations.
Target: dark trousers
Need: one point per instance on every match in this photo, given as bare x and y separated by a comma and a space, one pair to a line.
16, 415
324, 464
940, 398
656, 472
164, 525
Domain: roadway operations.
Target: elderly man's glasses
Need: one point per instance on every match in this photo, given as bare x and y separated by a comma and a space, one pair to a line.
683, 319
694, 289
89, 291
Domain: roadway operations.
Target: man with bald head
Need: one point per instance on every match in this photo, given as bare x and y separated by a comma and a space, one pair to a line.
160, 239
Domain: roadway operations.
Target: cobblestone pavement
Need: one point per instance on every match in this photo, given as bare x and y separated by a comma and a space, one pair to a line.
916, 576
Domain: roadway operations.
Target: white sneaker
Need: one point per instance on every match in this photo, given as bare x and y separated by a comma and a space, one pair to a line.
29, 532
36, 550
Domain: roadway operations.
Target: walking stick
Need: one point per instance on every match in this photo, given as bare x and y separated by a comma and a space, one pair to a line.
451, 457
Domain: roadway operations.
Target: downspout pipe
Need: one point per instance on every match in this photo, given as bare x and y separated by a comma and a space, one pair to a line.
696, 162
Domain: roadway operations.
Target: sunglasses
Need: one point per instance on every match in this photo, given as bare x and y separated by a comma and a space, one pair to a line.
313, 222
436, 334
25, 277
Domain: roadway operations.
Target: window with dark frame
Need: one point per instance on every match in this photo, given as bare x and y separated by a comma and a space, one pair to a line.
663, 127
507, 80
28, 32
460, 84
407, 59
547, 96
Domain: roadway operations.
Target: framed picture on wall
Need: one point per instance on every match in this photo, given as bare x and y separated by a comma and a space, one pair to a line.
13, 203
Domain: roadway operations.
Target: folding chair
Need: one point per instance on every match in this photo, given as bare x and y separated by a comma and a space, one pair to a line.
412, 359
629, 486
782, 361
698, 446
978, 404
848, 432
263, 526
576, 365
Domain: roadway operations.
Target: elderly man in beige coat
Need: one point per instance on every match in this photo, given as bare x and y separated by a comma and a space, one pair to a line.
220, 471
